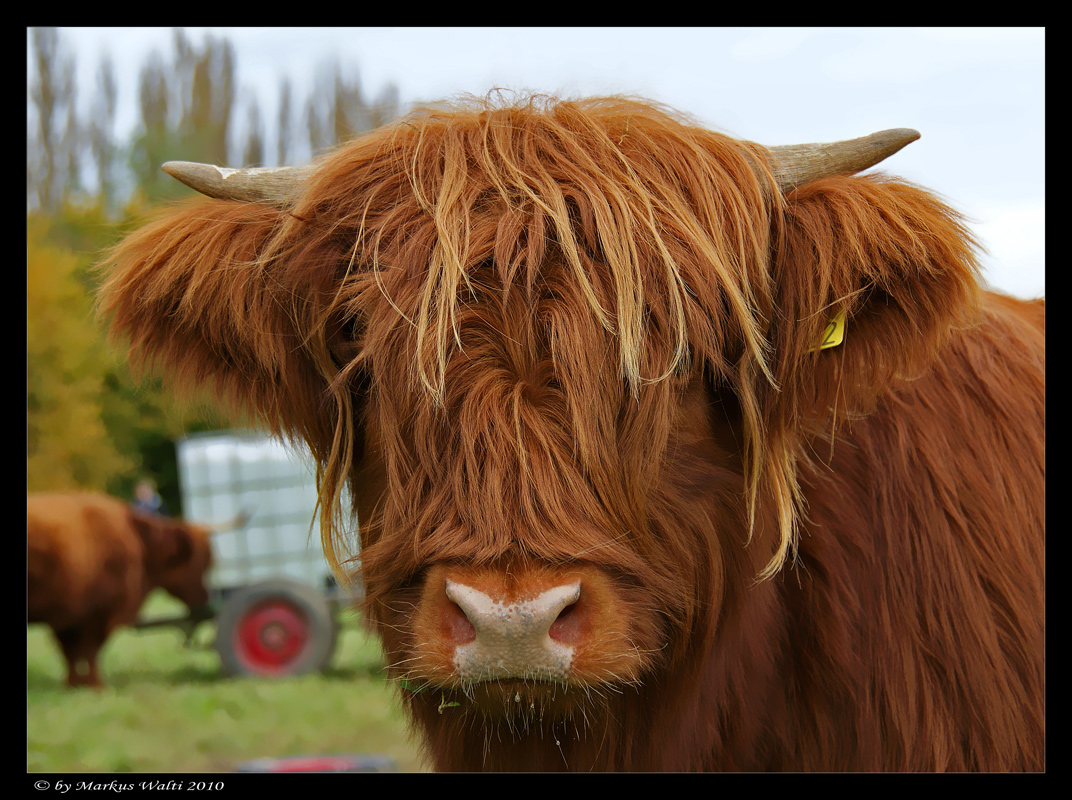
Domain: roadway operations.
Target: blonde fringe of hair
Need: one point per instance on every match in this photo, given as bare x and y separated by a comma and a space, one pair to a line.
459, 160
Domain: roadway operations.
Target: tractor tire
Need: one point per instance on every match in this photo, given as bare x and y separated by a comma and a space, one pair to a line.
275, 628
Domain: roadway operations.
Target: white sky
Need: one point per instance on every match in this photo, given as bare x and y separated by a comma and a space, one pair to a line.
975, 94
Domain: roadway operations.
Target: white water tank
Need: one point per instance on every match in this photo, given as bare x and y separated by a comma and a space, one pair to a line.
225, 473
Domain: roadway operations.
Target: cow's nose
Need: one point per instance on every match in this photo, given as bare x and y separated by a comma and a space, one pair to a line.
532, 637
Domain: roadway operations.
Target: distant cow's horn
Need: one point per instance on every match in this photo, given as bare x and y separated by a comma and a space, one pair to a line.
239, 521
274, 186
797, 164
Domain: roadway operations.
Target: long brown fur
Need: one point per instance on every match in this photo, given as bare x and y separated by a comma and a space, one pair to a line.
584, 333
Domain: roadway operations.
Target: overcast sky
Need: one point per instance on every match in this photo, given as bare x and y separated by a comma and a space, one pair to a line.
975, 94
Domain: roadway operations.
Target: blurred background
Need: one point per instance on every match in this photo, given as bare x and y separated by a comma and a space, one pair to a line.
107, 106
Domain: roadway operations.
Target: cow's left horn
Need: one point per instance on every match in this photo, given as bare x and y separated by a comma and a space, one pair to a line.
274, 186
796, 164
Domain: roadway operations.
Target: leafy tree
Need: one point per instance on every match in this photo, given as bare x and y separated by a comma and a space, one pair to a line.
67, 443
90, 423
338, 110
52, 125
283, 138
253, 154
102, 144
185, 112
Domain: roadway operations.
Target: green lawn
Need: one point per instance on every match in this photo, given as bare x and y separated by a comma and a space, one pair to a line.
169, 708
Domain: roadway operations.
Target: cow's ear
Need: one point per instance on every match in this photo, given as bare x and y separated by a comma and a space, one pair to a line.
871, 278
194, 293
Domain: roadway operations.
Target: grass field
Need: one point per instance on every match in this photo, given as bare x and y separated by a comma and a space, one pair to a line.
169, 708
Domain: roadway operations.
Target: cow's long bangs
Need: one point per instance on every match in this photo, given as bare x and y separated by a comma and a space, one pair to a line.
652, 216
657, 228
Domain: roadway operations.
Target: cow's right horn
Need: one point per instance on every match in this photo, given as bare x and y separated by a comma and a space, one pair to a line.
273, 186
797, 164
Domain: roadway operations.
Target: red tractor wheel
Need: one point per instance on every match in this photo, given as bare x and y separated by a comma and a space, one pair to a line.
275, 628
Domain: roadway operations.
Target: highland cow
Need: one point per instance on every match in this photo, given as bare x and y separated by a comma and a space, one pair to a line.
623, 503
91, 560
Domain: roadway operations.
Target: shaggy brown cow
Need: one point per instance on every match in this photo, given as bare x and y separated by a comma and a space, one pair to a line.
90, 562
567, 356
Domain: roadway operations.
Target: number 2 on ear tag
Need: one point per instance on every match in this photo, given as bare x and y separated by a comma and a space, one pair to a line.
834, 333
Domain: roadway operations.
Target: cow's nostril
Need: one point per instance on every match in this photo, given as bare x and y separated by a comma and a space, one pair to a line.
568, 626
459, 628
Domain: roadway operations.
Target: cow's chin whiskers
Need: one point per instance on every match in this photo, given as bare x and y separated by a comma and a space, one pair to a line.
521, 706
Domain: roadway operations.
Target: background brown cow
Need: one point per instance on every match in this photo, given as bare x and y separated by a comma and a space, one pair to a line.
90, 562
618, 508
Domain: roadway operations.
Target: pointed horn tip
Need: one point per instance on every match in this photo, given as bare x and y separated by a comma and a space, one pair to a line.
796, 165
200, 177
901, 136
181, 169
273, 186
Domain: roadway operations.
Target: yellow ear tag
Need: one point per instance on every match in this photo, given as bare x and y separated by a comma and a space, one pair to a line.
834, 333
